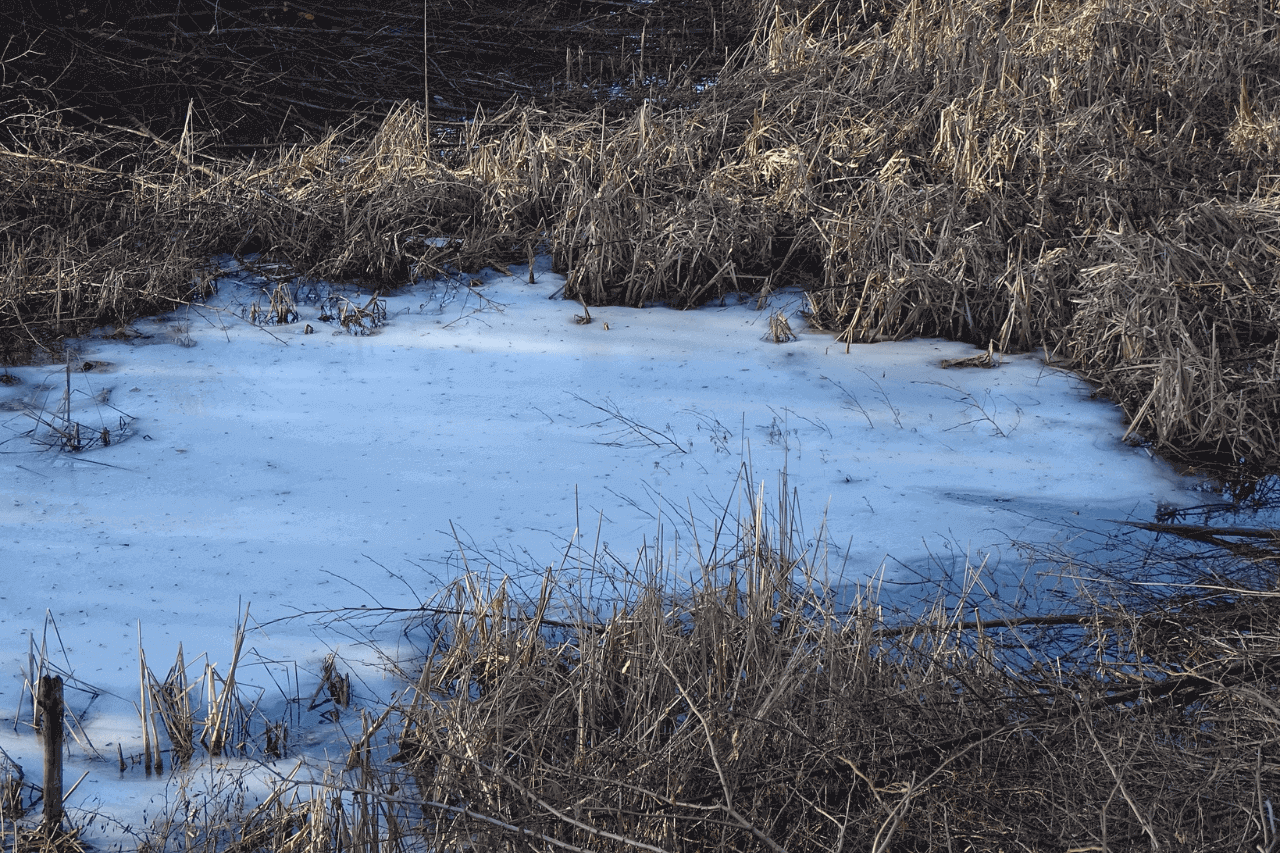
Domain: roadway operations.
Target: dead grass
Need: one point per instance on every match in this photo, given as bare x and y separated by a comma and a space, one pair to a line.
755, 712
1090, 178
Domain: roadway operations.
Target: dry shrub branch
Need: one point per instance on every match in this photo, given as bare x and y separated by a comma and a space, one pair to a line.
1091, 178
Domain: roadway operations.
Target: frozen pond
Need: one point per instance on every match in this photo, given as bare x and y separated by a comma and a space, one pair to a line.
311, 471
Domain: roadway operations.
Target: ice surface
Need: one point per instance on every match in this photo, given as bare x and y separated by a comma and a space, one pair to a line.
306, 472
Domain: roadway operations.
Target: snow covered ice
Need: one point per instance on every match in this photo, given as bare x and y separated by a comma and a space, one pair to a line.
306, 472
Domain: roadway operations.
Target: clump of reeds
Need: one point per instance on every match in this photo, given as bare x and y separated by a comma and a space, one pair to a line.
755, 711
1055, 176
213, 715
780, 331
61, 427
209, 712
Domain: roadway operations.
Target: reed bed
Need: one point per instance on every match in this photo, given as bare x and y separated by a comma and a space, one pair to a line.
754, 711
762, 707
1093, 179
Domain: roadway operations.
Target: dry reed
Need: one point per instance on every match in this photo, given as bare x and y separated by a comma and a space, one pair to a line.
754, 712
1060, 176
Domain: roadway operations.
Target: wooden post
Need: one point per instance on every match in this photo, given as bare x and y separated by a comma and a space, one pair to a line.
51, 711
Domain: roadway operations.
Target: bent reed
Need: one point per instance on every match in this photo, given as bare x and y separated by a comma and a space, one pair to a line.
1090, 178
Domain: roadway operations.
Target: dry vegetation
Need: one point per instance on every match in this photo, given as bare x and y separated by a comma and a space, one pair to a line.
753, 716
754, 713
1096, 178
1100, 180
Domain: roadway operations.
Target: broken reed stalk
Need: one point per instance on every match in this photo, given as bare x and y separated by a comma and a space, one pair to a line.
222, 706
144, 696
35, 666
66, 395
153, 720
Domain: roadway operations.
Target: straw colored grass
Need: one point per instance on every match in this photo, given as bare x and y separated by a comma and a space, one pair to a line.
754, 712
760, 708
1091, 179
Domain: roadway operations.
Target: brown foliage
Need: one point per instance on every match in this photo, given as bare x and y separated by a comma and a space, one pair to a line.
1089, 178
752, 713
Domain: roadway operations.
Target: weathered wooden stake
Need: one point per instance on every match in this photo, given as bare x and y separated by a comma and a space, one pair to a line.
51, 712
